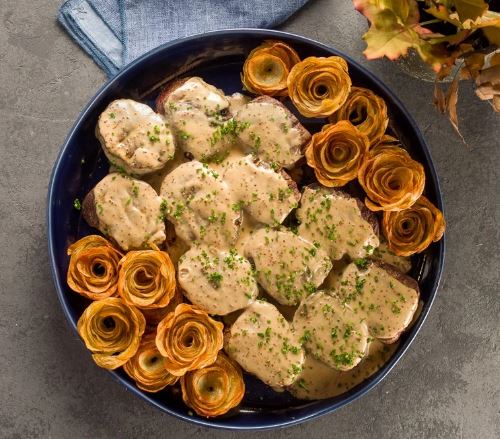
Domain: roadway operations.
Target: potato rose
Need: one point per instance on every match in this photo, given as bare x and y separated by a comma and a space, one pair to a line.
267, 67
156, 315
188, 339
146, 279
336, 152
146, 367
215, 389
112, 331
366, 111
386, 142
319, 86
412, 230
391, 179
93, 267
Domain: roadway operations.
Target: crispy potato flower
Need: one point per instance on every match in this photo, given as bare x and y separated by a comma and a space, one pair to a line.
391, 179
366, 111
188, 339
156, 315
146, 279
93, 267
412, 230
386, 142
319, 86
112, 331
215, 389
336, 152
146, 367
267, 67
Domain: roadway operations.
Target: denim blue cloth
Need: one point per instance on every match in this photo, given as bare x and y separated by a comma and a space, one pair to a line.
115, 32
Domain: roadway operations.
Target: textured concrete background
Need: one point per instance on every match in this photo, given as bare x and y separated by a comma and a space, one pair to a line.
447, 386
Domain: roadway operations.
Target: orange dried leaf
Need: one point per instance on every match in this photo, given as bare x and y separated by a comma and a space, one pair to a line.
451, 103
439, 98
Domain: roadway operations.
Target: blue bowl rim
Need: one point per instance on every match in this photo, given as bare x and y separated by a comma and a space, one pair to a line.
264, 33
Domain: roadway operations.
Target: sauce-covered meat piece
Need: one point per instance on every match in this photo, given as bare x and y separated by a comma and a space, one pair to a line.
263, 343
273, 133
199, 204
127, 210
199, 115
331, 331
288, 267
217, 281
134, 137
268, 196
386, 298
339, 223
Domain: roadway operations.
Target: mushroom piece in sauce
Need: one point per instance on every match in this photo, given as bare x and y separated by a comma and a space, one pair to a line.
288, 267
217, 281
263, 343
127, 210
331, 331
134, 137
268, 196
198, 203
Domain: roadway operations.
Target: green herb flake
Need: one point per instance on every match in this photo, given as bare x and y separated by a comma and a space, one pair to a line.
215, 279
361, 263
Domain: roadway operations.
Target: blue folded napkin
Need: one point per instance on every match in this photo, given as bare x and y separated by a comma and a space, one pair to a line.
115, 32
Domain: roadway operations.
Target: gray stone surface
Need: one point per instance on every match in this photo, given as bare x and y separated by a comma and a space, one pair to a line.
447, 386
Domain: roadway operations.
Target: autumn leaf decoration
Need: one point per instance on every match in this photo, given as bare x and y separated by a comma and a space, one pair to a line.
445, 34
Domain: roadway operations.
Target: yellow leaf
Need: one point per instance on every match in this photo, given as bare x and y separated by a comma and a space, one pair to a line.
470, 9
493, 34
389, 38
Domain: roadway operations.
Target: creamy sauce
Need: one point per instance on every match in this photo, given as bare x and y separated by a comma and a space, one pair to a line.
196, 110
336, 223
334, 278
134, 137
155, 179
271, 134
263, 343
382, 253
379, 299
331, 331
237, 101
263, 193
200, 205
218, 281
288, 267
128, 210
319, 381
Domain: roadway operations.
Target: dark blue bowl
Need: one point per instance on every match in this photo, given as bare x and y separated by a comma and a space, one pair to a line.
218, 58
